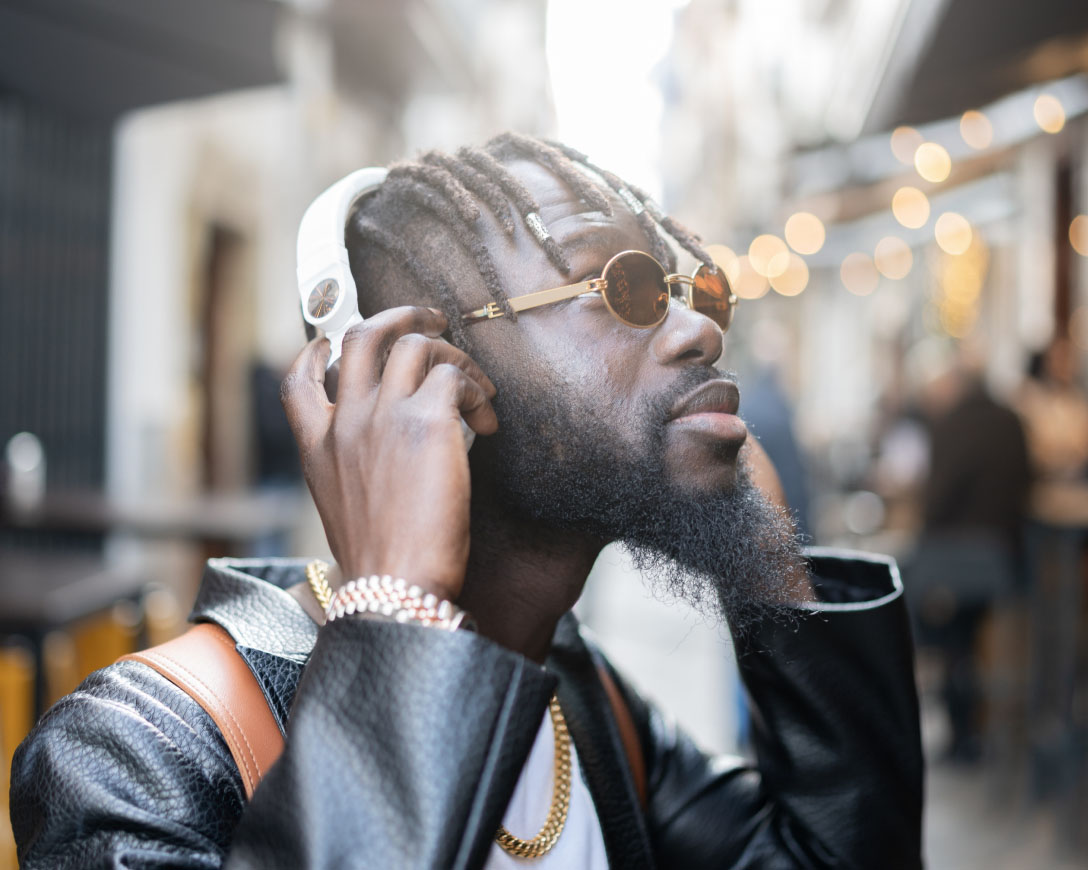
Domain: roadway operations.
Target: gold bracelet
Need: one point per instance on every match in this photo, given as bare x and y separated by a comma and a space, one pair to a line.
385, 596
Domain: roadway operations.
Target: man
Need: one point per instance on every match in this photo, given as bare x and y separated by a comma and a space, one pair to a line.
411, 745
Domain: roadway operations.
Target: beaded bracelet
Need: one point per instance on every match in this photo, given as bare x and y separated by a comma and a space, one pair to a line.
396, 599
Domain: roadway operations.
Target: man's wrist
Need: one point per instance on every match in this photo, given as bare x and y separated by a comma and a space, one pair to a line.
340, 574
395, 598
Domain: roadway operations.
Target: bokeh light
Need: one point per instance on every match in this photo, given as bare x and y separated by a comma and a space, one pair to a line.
1078, 234
749, 284
958, 296
859, 274
1049, 113
905, 141
793, 280
893, 258
726, 259
805, 232
769, 255
910, 207
953, 233
1078, 327
932, 162
976, 129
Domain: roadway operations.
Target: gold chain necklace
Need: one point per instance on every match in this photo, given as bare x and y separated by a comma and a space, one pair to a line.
543, 842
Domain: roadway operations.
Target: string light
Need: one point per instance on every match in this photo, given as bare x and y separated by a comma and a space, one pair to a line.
858, 274
958, 294
953, 233
932, 162
725, 259
749, 284
904, 142
910, 207
1049, 113
976, 130
805, 233
1078, 234
793, 280
893, 258
769, 255
1078, 327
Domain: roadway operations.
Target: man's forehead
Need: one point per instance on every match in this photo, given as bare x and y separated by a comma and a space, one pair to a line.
576, 225
555, 198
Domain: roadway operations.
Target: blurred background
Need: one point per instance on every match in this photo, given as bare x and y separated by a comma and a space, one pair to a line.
898, 190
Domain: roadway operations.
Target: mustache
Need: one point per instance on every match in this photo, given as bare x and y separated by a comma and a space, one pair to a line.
660, 406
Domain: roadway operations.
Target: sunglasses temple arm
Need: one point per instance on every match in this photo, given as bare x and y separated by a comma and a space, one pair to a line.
534, 300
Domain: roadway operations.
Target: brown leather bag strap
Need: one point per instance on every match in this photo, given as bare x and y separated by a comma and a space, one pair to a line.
205, 664
632, 746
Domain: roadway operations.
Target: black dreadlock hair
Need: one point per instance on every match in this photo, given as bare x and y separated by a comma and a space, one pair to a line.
650, 216
452, 190
524, 201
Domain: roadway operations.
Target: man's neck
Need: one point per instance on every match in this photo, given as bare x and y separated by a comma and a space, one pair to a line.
520, 581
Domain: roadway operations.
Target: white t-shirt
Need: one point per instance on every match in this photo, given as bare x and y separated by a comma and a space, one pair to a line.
581, 845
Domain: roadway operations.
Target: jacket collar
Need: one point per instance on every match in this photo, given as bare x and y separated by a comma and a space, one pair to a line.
247, 598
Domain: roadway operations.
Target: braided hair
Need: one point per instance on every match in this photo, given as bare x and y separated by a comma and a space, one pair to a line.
455, 189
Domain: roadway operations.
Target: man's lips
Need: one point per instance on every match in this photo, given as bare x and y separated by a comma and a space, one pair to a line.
719, 396
711, 410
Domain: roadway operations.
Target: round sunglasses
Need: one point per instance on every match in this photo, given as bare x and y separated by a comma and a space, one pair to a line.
636, 289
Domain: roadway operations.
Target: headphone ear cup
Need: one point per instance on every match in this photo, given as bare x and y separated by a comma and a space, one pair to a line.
325, 284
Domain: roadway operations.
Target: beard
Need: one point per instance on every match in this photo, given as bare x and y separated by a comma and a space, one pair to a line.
729, 552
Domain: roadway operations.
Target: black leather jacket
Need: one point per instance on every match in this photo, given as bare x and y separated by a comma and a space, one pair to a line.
404, 745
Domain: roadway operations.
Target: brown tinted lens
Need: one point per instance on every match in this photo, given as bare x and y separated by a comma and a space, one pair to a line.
711, 296
636, 290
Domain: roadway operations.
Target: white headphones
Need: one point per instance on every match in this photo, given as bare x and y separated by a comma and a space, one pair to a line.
325, 286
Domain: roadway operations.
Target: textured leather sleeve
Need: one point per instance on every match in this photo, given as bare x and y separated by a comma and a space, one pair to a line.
404, 745
837, 780
127, 771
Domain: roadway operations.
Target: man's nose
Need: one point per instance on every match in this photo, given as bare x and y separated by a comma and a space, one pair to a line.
687, 337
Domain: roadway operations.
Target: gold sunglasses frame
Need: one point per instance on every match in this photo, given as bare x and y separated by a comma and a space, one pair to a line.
599, 285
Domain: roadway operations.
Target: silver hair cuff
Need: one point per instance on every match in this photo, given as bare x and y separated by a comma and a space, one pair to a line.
536, 225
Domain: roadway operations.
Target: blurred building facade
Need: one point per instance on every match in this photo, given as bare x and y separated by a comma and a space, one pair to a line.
208, 195
817, 110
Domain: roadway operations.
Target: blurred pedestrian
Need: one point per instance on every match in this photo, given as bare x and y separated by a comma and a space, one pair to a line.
1054, 409
967, 558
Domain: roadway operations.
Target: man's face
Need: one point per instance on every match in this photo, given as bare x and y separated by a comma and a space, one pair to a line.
611, 371
619, 433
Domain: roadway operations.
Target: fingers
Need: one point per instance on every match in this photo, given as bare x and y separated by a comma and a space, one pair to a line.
413, 356
448, 386
302, 393
366, 345
395, 355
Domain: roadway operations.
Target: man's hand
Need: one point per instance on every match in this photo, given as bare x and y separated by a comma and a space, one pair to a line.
386, 463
